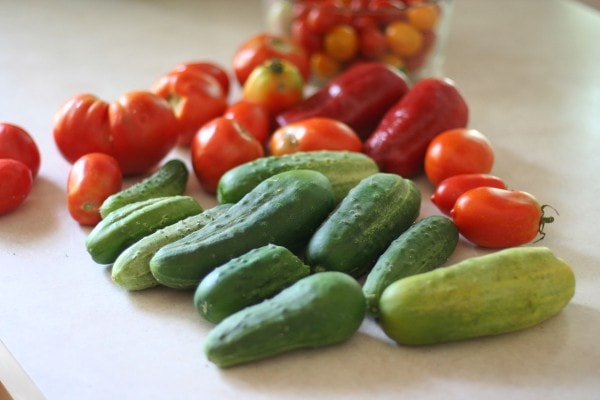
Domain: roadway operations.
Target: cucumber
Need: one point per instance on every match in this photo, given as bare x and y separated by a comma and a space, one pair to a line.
375, 212
246, 280
131, 269
497, 293
128, 224
318, 310
170, 180
344, 169
426, 245
284, 209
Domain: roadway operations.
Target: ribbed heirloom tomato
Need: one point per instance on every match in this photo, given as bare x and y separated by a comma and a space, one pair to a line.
17, 144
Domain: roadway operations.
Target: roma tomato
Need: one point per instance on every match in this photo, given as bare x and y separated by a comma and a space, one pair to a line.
17, 144
448, 191
220, 145
315, 133
16, 181
210, 68
458, 151
498, 218
252, 116
92, 178
263, 47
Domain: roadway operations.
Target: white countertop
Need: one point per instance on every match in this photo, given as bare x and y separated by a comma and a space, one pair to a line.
529, 71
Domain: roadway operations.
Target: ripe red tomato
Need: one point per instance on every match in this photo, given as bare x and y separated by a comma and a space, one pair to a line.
220, 145
252, 116
92, 178
16, 181
314, 134
16, 143
458, 151
263, 47
498, 218
213, 69
446, 193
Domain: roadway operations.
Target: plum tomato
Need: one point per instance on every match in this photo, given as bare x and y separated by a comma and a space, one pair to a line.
220, 145
92, 178
458, 151
315, 133
17, 144
213, 69
445, 194
252, 116
16, 181
498, 218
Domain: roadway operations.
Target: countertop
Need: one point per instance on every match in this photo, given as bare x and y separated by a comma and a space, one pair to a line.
529, 72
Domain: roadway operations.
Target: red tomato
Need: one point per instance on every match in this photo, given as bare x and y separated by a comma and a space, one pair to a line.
446, 193
16, 143
92, 178
252, 116
458, 151
314, 134
325, 16
498, 218
16, 181
214, 70
195, 96
220, 145
265, 46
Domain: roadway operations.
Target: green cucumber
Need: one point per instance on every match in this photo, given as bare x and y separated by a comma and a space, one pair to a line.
501, 292
375, 212
319, 310
426, 245
344, 169
170, 180
248, 279
131, 269
128, 224
284, 209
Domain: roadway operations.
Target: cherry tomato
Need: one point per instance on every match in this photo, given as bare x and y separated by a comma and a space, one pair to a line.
314, 134
325, 16
424, 17
341, 42
207, 67
252, 116
16, 181
92, 178
16, 143
403, 39
458, 151
220, 145
323, 66
498, 218
446, 193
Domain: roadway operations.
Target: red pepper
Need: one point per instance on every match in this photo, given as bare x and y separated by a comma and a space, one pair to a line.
400, 142
358, 97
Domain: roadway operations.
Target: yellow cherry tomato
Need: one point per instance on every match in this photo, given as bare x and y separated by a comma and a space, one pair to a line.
341, 42
424, 18
403, 39
323, 66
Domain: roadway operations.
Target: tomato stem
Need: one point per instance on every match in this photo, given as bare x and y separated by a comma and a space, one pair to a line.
545, 219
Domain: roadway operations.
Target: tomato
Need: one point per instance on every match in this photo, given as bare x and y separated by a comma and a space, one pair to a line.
325, 16
210, 68
195, 96
276, 84
323, 66
314, 134
252, 116
498, 218
92, 178
446, 193
16, 143
341, 42
263, 47
220, 145
16, 181
458, 151
403, 39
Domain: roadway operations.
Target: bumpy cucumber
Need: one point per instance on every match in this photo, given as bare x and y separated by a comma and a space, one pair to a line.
501, 292
246, 280
318, 310
131, 269
344, 170
128, 224
426, 245
170, 180
375, 212
284, 210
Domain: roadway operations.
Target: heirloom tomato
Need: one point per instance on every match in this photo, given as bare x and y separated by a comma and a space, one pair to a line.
17, 144
210, 68
16, 181
448, 191
252, 116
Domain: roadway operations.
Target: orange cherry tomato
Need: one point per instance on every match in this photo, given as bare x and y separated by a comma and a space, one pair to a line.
252, 116
16, 143
403, 39
424, 17
16, 181
449, 190
341, 42
323, 66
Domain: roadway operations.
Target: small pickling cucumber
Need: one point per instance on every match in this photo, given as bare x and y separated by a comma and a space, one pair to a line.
318, 310
374, 213
128, 224
131, 269
170, 180
424, 246
344, 169
497, 293
248, 279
